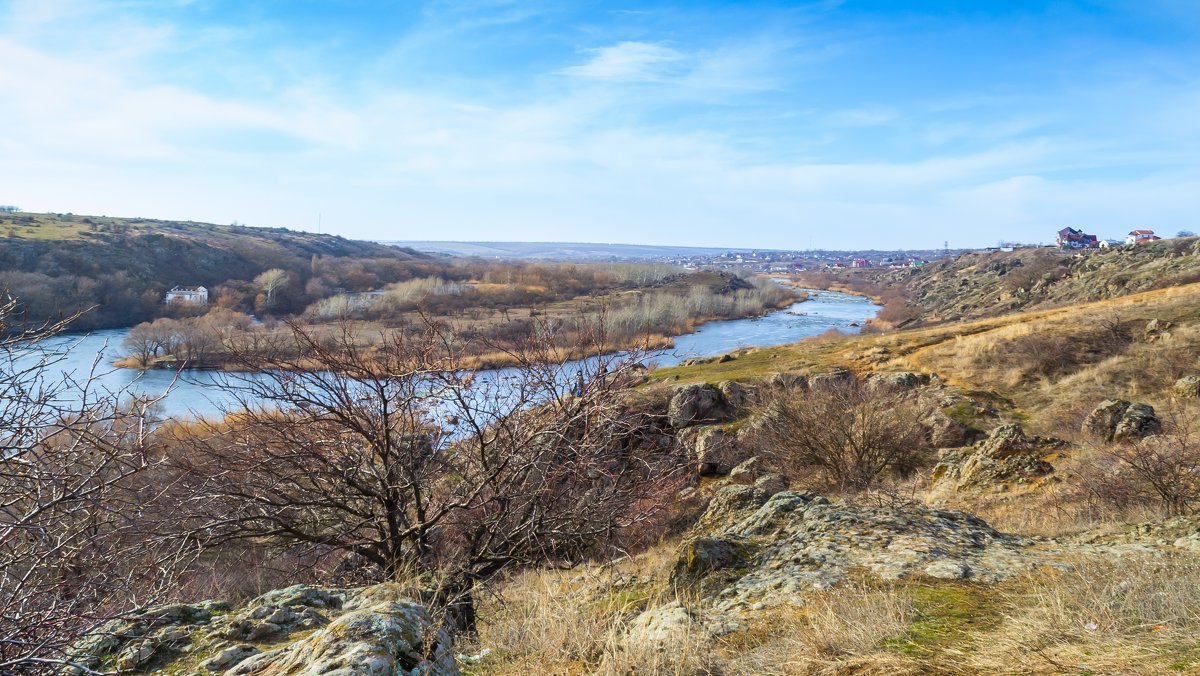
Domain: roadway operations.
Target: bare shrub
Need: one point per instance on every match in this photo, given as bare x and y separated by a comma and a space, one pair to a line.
411, 465
849, 435
1158, 470
79, 541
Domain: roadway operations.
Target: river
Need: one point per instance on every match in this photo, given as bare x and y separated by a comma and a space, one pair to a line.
201, 392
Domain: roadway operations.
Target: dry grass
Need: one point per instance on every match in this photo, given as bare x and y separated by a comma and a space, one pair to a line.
1137, 614
844, 629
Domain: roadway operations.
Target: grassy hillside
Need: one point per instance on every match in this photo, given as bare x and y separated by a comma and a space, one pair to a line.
58, 264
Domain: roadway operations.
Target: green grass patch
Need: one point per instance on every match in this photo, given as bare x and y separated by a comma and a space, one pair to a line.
947, 615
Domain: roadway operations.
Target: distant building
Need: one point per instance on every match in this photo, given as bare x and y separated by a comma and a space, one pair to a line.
860, 263
187, 295
1111, 243
1070, 238
1141, 237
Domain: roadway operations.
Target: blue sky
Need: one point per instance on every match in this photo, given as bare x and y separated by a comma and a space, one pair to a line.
827, 124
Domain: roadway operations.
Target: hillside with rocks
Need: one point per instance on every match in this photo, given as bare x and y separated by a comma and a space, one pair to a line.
990, 284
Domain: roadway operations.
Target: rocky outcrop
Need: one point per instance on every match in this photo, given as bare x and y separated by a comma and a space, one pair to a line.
788, 381
834, 378
903, 380
1120, 420
697, 405
713, 451
1187, 387
1006, 458
299, 630
751, 548
737, 396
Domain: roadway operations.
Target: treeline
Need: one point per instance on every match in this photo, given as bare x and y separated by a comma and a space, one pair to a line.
493, 319
115, 272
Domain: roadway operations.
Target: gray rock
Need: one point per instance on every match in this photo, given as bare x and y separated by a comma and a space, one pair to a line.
946, 569
1188, 386
788, 381
746, 472
839, 376
382, 640
715, 452
1007, 456
737, 396
665, 627
696, 405
374, 630
770, 484
1120, 420
229, 657
780, 549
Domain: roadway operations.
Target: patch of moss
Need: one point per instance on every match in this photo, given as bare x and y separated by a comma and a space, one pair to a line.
946, 615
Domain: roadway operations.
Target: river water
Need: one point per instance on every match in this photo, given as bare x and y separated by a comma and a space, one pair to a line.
203, 393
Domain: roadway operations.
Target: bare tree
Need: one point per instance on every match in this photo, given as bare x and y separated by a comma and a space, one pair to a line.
76, 544
391, 452
271, 282
848, 434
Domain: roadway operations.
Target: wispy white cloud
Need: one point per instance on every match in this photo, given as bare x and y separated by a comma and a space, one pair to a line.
631, 61
95, 121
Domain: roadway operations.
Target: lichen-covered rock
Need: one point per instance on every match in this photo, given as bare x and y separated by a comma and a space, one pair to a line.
944, 431
1008, 456
696, 405
302, 629
1120, 420
903, 380
760, 550
666, 627
770, 484
1188, 386
702, 555
381, 640
1158, 329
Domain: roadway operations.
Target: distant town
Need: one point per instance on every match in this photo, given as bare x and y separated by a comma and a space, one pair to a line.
761, 260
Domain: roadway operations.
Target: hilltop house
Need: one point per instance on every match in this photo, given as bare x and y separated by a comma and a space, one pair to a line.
1070, 238
187, 295
1141, 237
1111, 243
860, 263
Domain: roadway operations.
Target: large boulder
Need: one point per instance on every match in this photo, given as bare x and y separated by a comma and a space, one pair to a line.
1120, 420
902, 380
788, 381
697, 404
751, 549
